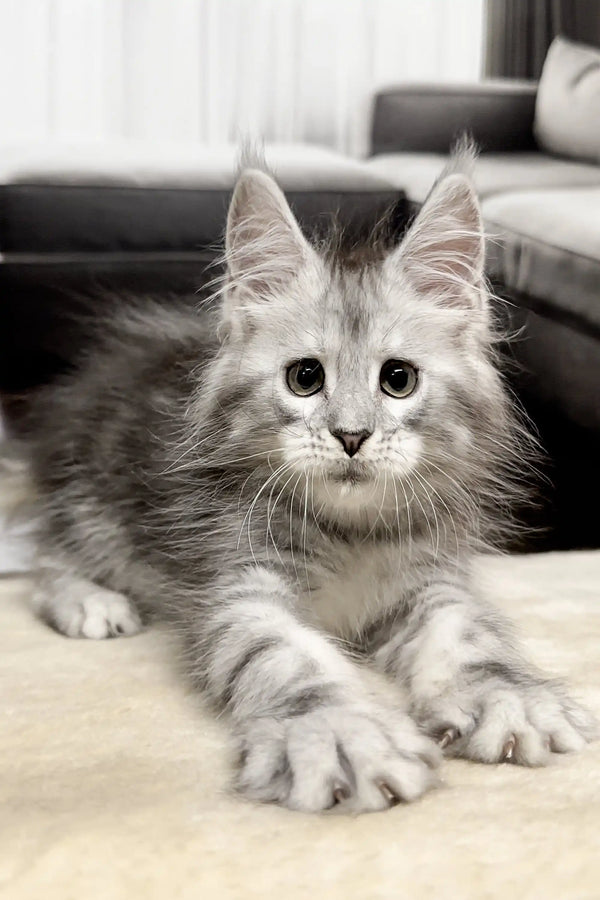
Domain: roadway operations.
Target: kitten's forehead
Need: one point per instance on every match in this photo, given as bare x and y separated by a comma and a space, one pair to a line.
365, 309
352, 304
358, 313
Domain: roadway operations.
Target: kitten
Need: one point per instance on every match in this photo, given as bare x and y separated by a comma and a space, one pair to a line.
300, 489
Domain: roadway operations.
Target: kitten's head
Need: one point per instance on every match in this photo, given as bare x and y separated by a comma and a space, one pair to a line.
371, 382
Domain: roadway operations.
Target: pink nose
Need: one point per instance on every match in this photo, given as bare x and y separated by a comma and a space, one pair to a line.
351, 440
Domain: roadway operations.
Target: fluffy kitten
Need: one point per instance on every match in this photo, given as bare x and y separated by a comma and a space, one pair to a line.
301, 490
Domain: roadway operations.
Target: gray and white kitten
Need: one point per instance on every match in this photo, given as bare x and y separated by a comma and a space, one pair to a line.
301, 491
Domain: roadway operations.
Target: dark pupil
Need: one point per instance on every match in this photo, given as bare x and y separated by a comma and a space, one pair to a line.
397, 378
308, 373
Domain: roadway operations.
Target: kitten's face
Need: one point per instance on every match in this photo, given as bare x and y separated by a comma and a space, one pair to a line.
357, 376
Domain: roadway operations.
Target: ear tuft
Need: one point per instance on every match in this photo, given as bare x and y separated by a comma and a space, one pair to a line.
264, 246
443, 252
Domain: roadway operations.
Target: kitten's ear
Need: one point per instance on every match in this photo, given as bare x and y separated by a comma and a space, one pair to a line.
264, 245
443, 251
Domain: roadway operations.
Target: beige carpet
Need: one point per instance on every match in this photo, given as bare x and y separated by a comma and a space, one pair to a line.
113, 779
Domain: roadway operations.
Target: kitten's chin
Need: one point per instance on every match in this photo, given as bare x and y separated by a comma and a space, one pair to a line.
351, 480
351, 485
349, 475
351, 494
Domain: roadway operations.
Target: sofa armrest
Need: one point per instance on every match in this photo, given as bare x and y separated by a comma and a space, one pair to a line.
421, 118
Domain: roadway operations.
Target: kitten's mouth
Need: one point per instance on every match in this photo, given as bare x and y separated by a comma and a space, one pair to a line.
350, 473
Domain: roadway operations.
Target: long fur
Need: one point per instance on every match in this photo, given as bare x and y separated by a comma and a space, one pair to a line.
180, 477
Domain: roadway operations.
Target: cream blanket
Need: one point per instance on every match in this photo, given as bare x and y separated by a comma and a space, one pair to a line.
113, 779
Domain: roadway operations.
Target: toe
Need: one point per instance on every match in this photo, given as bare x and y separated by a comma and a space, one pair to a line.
95, 626
565, 739
125, 625
531, 748
402, 780
582, 721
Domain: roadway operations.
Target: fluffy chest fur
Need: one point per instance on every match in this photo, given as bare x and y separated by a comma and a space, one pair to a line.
355, 584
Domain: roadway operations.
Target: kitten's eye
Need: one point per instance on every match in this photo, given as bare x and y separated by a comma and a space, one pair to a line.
305, 377
398, 378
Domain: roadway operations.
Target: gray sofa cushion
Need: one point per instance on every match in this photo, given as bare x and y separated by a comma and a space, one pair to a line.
429, 117
547, 245
494, 172
567, 112
128, 198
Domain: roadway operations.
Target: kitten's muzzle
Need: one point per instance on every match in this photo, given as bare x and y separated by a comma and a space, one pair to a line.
351, 441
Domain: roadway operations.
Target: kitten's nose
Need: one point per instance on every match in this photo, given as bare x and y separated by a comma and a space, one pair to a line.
351, 440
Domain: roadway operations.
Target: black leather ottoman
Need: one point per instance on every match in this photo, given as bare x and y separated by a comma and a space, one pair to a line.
78, 219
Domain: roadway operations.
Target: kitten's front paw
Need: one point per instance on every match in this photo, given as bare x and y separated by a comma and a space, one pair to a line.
351, 758
95, 613
497, 720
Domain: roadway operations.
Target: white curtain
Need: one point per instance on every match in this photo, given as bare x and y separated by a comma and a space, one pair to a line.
211, 70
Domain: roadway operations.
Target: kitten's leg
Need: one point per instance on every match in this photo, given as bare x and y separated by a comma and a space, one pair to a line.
80, 608
311, 734
471, 688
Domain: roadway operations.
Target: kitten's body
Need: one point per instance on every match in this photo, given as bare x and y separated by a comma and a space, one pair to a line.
182, 476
